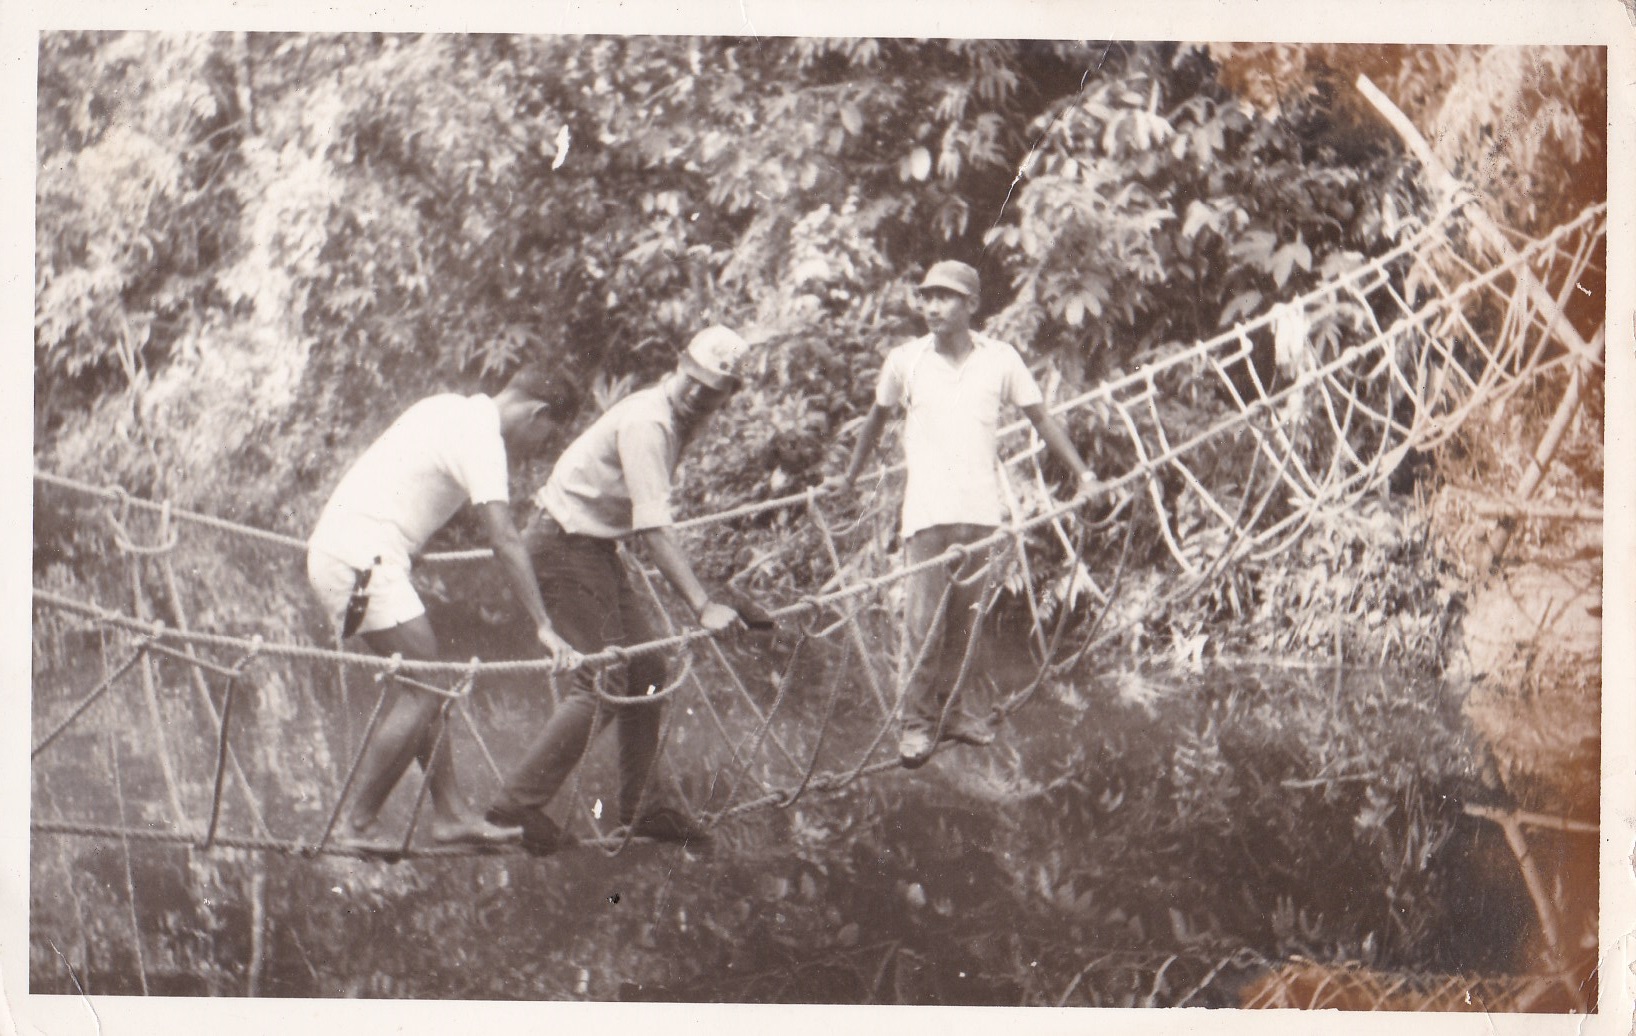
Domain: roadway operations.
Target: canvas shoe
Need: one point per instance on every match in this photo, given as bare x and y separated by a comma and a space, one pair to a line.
914, 747
540, 834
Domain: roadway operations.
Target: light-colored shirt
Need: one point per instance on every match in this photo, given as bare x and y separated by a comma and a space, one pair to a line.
615, 479
950, 432
440, 454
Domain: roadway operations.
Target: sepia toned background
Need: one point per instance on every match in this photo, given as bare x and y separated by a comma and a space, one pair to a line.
1306, 779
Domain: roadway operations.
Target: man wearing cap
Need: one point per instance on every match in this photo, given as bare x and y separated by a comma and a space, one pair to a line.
951, 384
613, 483
440, 454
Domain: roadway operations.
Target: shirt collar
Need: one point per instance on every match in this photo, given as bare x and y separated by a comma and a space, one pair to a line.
979, 343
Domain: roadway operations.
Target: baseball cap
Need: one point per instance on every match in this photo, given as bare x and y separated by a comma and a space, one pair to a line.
953, 275
713, 356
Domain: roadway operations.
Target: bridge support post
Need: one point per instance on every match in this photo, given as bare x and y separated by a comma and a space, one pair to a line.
1589, 354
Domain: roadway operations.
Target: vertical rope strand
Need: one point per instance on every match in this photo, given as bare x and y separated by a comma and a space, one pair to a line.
223, 746
130, 881
854, 628
383, 679
202, 692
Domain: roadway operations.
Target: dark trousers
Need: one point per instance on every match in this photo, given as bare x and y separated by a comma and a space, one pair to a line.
948, 629
591, 602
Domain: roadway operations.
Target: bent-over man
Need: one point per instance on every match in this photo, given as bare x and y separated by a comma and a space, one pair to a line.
613, 483
440, 454
951, 384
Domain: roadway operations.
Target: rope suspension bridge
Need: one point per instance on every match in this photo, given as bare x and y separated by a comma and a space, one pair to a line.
1388, 357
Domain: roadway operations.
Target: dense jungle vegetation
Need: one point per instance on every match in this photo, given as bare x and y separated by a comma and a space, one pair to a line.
254, 250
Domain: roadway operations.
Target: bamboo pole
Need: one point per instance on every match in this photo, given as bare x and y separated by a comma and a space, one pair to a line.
1548, 445
1544, 909
1589, 353
1513, 511
1531, 819
1491, 234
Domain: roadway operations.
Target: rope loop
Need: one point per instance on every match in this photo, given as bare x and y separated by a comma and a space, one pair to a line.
118, 509
956, 556
257, 642
824, 633
167, 533
468, 684
684, 671
812, 613
599, 684
393, 665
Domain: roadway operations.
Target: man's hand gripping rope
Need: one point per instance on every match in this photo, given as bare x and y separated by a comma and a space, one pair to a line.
557, 649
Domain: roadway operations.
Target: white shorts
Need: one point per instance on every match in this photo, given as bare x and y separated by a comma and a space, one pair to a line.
392, 598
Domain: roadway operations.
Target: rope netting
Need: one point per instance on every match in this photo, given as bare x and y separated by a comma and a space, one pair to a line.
1231, 449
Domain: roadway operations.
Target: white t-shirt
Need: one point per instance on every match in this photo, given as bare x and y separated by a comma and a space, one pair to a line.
950, 433
441, 453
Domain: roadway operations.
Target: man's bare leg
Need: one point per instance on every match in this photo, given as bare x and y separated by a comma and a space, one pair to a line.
407, 732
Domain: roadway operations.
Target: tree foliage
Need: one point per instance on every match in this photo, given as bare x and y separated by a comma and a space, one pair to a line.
254, 250
1524, 126
1160, 209
326, 226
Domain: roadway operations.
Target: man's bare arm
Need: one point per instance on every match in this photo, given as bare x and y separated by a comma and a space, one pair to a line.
1056, 439
868, 438
513, 558
667, 555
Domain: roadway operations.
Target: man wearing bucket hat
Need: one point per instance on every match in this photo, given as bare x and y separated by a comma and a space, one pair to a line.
951, 384
613, 483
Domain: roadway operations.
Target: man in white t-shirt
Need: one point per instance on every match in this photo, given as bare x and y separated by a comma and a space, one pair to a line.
439, 455
951, 384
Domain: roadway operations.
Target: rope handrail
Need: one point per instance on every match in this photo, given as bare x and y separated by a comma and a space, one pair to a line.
1382, 390
1348, 357
1347, 281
